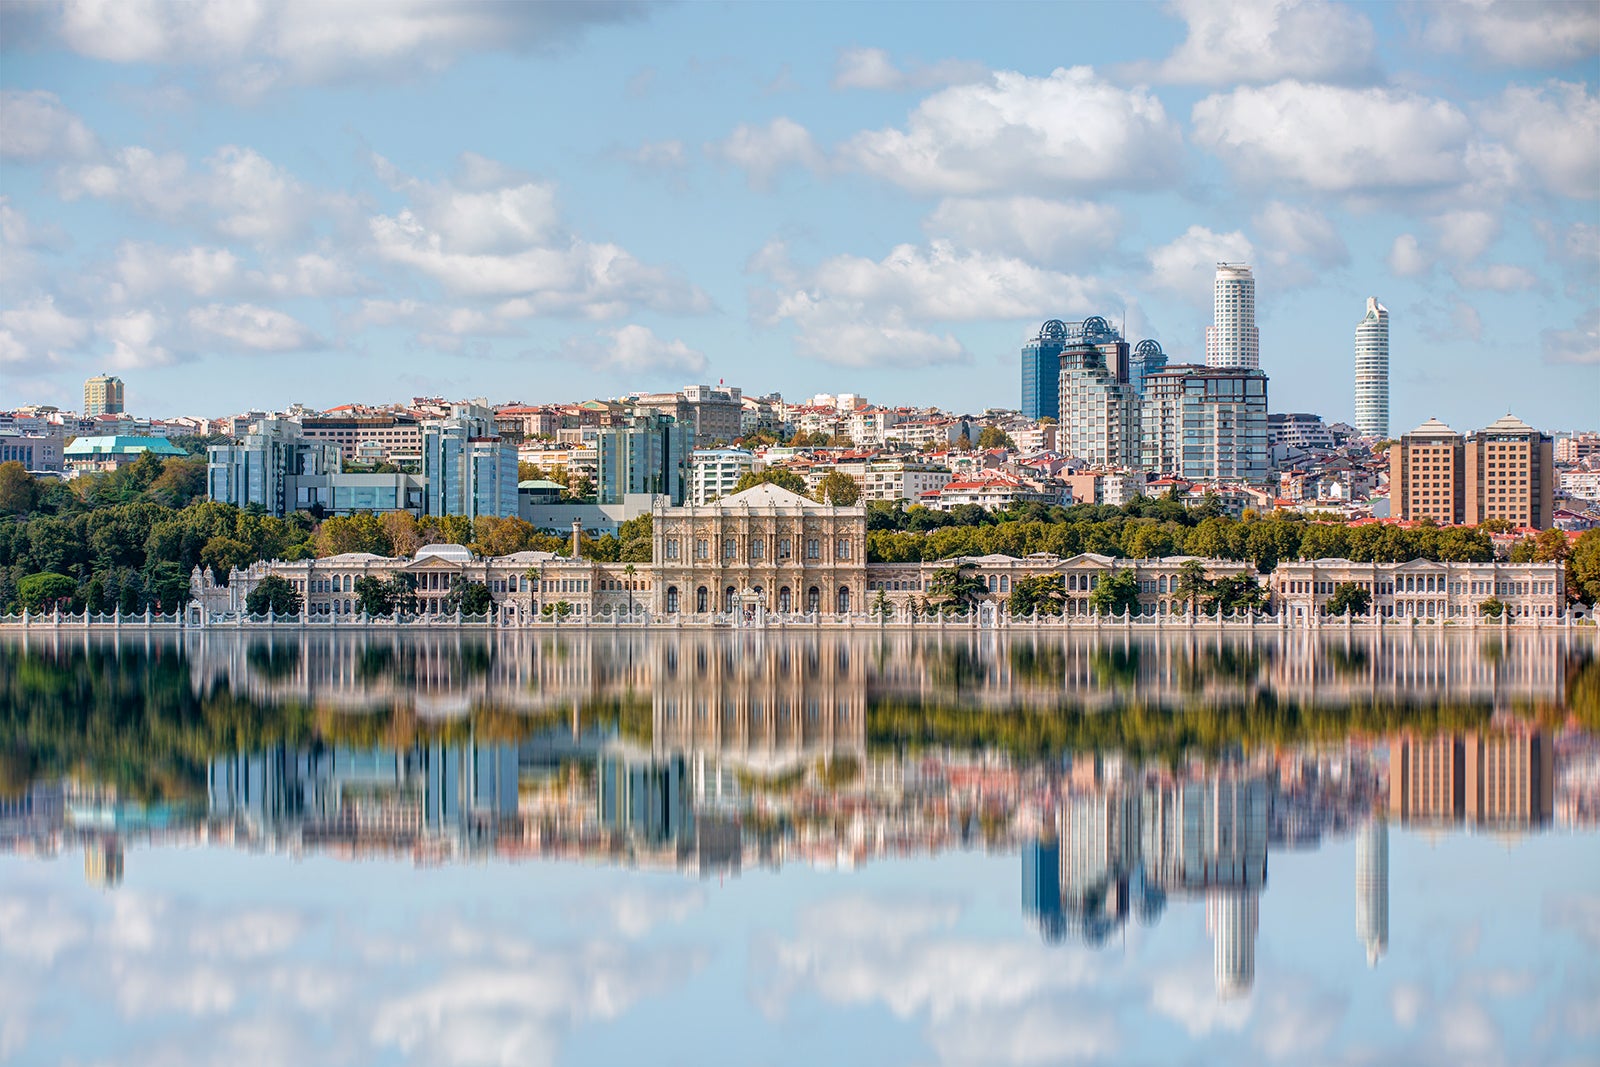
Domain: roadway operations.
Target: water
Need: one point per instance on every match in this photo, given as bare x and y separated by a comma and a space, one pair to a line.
440, 849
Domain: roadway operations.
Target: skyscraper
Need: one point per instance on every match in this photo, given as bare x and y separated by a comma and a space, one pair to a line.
1372, 888
1510, 475
1205, 424
1372, 371
1041, 372
102, 395
1232, 340
1099, 405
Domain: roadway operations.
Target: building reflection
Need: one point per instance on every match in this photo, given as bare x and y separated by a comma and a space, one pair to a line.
710, 754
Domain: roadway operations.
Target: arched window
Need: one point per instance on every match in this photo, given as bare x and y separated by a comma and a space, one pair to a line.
672, 599
784, 601
702, 600
729, 596
844, 600
813, 599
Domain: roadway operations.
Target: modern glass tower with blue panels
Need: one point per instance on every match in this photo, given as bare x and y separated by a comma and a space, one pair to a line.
1041, 372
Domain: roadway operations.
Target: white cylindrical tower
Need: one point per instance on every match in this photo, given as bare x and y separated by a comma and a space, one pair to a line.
1232, 340
1372, 371
1372, 889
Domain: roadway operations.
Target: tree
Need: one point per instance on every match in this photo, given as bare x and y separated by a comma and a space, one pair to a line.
1237, 594
637, 537
964, 442
956, 588
1522, 551
1583, 568
375, 597
469, 598
353, 533
1492, 608
838, 488
1116, 593
881, 608
1552, 546
273, 594
44, 592
1348, 599
779, 476
994, 437
19, 490
629, 571
1192, 584
221, 554
1044, 593
557, 611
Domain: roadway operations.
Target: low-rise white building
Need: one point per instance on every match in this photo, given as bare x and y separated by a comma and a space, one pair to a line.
713, 472
1424, 589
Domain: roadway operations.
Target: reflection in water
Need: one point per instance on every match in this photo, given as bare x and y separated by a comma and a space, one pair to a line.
1128, 772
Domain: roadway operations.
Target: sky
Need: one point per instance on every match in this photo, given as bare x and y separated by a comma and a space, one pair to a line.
243, 205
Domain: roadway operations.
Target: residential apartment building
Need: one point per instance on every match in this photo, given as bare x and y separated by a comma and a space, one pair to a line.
467, 469
648, 454
1099, 406
35, 452
902, 479
1424, 589
714, 414
1206, 424
714, 472
1372, 371
1299, 430
1495, 779
1510, 475
1427, 470
376, 436
102, 395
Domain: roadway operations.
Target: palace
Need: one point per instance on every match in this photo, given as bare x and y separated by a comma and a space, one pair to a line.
770, 551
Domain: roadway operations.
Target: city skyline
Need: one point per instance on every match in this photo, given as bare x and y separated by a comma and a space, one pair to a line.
244, 215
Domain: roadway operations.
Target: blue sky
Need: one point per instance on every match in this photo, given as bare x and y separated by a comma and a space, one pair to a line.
246, 205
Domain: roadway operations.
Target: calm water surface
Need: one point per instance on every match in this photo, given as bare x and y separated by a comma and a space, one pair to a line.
432, 849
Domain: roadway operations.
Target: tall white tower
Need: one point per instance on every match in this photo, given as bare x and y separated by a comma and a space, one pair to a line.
1372, 371
1232, 340
1372, 889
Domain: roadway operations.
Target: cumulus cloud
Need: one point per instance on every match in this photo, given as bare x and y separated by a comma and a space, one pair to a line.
854, 311
507, 243
1466, 235
1406, 258
660, 155
1337, 140
1046, 231
1069, 131
135, 338
1517, 33
1555, 133
249, 326
765, 151
37, 126
1299, 242
141, 270
254, 47
1185, 996
872, 68
1581, 344
240, 194
1499, 277
39, 333
1187, 265
635, 350
1232, 42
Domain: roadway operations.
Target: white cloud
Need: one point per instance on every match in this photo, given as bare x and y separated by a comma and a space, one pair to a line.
251, 47
635, 913
1406, 258
309, 274
1519, 33
240, 194
854, 311
763, 152
1187, 265
1337, 140
133, 336
635, 349
250, 326
1186, 997
1049, 231
1241, 41
1500, 277
38, 333
1065, 132
142, 270
1466, 235
1299, 242
871, 68
36, 126
663, 155
38, 931
1555, 133
1581, 344
1407, 1001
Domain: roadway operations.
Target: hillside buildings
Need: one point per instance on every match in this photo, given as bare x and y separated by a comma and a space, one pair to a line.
1206, 424
1372, 371
1233, 340
1099, 405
